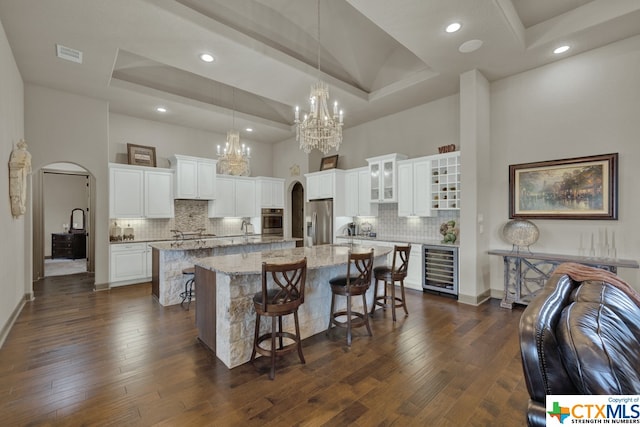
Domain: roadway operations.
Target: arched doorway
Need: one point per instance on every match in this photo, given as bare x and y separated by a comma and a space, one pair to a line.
62, 188
297, 212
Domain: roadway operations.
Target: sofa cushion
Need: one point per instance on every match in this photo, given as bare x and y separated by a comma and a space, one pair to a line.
614, 298
599, 350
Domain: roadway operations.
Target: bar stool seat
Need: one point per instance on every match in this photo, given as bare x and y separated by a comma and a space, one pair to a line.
189, 293
389, 276
282, 293
355, 283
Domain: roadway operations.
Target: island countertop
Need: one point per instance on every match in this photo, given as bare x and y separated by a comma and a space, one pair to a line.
317, 257
216, 242
226, 285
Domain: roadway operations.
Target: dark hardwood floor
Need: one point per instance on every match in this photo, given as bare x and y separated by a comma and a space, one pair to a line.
78, 357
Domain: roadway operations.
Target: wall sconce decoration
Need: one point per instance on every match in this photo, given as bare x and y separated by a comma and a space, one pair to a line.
19, 169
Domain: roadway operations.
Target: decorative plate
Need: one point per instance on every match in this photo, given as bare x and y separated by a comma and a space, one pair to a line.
520, 232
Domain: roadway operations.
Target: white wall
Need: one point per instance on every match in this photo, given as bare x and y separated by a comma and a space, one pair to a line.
585, 105
63, 127
172, 139
15, 250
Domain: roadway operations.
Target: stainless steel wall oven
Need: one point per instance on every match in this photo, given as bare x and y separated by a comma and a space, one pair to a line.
272, 220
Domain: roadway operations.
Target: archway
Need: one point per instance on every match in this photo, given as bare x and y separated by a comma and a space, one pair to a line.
297, 211
60, 188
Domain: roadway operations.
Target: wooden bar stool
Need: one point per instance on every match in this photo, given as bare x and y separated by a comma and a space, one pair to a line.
397, 273
355, 283
276, 301
190, 274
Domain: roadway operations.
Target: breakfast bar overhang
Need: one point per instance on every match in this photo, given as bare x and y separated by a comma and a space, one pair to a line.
226, 284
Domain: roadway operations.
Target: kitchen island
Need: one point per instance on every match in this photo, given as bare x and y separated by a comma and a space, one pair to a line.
225, 316
170, 258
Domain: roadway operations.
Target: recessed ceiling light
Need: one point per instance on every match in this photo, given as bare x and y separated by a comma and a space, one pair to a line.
161, 109
470, 46
249, 129
206, 57
561, 49
453, 27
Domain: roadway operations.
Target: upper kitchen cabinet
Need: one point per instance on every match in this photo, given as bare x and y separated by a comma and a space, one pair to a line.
327, 184
236, 197
269, 192
158, 189
195, 177
357, 193
140, 192
383, 178
445, 181
414, 196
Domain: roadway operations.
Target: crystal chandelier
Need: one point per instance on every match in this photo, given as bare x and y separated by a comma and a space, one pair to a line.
319, 129
234, 158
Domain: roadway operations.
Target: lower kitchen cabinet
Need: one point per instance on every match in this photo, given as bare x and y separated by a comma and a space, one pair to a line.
128, 263
414, 272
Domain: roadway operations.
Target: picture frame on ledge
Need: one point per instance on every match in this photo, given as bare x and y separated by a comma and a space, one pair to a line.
141, 155
575, 188
330, 162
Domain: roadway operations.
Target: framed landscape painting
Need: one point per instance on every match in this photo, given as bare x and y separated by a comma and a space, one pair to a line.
141, 155
576, 188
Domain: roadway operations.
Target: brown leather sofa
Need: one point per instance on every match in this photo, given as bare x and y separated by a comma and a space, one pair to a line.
580, 337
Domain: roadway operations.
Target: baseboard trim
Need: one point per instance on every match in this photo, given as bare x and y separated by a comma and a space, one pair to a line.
12, 319
475, 300
101, 287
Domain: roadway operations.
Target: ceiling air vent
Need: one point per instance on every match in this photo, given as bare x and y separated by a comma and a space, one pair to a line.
69, 54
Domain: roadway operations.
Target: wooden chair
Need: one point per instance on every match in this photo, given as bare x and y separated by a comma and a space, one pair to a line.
397, 273
356, 282
276, 301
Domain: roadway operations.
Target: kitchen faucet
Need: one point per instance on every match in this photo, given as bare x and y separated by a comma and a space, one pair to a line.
245, 226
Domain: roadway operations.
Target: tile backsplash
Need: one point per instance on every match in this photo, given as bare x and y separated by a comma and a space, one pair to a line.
190, 215
388, 223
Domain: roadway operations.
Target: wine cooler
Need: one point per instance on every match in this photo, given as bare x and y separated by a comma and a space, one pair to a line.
440, 269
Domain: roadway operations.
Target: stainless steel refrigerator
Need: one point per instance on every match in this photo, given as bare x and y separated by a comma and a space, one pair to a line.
319, 214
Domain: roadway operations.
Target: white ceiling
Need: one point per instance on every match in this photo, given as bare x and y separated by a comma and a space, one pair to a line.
378, 56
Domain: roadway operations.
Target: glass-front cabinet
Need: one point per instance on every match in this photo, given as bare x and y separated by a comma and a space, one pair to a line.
383, 175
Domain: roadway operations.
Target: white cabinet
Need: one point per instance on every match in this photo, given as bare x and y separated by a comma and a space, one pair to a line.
158, 194
269, 192
128, 263
140, 192
126, 192
382, 170
414, 194
357, 188
328, 185
445, 181
414, 272
320, 185
236, 197
195, 177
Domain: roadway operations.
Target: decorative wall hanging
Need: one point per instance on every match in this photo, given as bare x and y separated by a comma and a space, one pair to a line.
576, 188
19, 169
330, 162
141, 156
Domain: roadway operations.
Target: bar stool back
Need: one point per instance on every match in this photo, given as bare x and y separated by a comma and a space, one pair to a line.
397, 273
284, 297
355, 283
187, 295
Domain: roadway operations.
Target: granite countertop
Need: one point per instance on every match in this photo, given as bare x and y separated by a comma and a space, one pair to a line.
255, 239
317, 257
399, 239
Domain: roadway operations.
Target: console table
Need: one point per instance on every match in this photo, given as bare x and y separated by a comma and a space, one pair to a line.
525, 273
